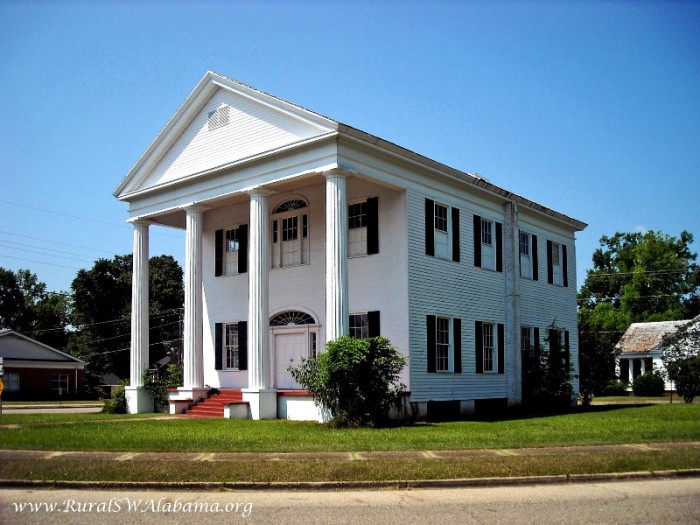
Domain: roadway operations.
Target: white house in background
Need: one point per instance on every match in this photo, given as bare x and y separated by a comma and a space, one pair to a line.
641, 348
300, 229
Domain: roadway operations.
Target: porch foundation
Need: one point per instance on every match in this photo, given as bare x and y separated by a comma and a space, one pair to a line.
138, 400
262, 402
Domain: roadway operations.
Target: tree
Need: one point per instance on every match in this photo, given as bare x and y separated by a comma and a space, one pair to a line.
681, 358
547, 374
27, 307
101, 312
356, 380
636, 277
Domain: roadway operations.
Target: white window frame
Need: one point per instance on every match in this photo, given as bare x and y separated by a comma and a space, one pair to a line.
11, 380
525, 256
488, 244
60, 381
230, 256
296, 249
359, 325
357, 229
444, 345
441, 240
527, 335
231, 348
557, 267
489, 352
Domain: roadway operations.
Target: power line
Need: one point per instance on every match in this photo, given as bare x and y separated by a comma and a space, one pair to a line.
54, 242
81, 259
44, 210
41, 262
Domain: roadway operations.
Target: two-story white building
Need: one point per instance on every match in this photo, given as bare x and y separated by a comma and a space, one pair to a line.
300, 229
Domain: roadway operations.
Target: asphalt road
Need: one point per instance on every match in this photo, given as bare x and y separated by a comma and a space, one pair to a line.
675, 501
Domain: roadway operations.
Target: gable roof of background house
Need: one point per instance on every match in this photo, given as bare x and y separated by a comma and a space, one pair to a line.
647, 337
15, 346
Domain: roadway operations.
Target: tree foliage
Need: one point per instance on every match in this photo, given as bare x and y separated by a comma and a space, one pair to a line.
636, 277
356, 380
28, 308
546, 376
101, 312
681, 357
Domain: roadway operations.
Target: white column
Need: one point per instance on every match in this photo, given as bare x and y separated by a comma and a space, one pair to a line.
337, 310
192, 347
138, 399
260, 395
511, 268
259, 375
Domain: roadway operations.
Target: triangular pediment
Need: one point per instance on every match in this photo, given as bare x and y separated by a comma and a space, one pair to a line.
221, 123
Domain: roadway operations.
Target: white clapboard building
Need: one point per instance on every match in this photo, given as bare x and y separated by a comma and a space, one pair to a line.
300, 229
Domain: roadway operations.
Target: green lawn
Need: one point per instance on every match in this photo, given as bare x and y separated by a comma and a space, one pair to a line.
601, 425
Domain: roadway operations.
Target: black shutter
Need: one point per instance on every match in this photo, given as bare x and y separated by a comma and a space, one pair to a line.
537, 344
564, 265
431, 325
219, 253
455, 234
374, 326
457, 336
567, 354
624, 370
429, 227
499, 247
243, 345
372, 225
218, 345
550, 270
477, 241
479, 347
243, 248
501, 348
535, 265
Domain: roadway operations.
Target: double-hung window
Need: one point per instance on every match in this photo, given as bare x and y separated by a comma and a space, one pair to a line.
490, 347
444, 344
59, 384
528, 255
557, 264
11, 380
559, 347
290, 234
488, 244
442, 231
231, 250
363, 227
363, 325
231, 346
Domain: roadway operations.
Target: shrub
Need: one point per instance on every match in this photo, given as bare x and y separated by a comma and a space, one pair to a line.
356, 380
157, 386
649, 384
116, 405
615, 388
687, 377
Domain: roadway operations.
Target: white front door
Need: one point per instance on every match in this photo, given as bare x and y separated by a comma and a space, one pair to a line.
290, 344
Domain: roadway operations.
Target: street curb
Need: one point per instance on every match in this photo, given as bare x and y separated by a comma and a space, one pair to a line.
352, 485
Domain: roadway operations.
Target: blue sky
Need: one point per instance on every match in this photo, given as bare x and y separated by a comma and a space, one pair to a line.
591, 108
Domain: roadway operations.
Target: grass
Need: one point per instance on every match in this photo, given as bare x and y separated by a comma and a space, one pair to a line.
373, 470
598, 425
148, 433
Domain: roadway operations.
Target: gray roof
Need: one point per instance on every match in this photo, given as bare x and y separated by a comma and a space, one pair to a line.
647, 337
15, 346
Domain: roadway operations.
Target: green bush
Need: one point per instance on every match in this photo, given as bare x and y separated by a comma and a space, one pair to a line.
116, 405
356, 380
649, 384
615, 388
687, 377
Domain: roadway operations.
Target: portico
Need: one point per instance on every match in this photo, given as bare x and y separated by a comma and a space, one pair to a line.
260, 392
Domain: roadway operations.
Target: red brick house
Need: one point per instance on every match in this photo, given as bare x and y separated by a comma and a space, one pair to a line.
34, 370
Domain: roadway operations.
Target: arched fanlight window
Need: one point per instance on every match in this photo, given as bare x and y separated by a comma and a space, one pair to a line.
293, 204
291, 318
